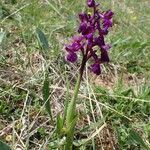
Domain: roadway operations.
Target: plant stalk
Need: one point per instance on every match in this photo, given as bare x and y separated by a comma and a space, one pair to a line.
71, 116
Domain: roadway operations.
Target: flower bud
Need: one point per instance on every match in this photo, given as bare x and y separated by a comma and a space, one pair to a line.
91, 3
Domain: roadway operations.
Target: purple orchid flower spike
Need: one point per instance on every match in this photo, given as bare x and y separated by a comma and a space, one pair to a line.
91, 44
92, 29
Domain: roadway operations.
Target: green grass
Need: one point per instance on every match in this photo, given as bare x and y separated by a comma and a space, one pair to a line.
119, 98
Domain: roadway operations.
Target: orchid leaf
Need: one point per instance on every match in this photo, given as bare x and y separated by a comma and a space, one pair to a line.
4, 146
59, 124
2, 35
42, 39
46, 95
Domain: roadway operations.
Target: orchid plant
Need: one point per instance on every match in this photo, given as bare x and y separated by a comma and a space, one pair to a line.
90, 43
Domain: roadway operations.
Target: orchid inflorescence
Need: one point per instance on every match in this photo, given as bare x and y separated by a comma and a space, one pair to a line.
92, 29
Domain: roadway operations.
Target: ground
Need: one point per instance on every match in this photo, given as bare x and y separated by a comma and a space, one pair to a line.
114, 108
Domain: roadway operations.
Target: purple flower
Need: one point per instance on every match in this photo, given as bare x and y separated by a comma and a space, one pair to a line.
72, 57
83, 17
108, 14
89, 38
83, 28
106, 47
107, 23
92, 29
104, 53
95, 68
78, 39
91, 3
104, 56
74, 47
99, 41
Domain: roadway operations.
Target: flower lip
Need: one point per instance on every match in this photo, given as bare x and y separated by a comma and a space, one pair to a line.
99, 41
72, 57
107, 23
95, 68
104, 56
83, 28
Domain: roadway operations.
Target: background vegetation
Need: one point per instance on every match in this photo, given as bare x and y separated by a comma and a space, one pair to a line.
114, 107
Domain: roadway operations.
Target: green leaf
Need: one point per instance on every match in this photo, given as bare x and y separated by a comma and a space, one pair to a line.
135, 137
72, 124
42, 39
59, 124
92, 126
84, 141
127, 92
70, 133
13, 1
4, 146
71, 110
4, 12
66, 100
1, 12
2, 35
46, 95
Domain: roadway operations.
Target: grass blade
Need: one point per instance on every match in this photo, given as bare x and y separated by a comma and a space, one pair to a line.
135, 137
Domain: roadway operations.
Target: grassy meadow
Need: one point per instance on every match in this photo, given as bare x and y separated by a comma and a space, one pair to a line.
113, 108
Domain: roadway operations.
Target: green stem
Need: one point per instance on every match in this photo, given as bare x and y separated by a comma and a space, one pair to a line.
66, 101
71, 115
72, 105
